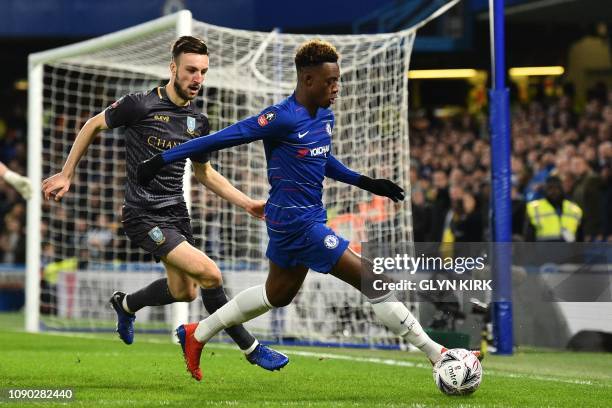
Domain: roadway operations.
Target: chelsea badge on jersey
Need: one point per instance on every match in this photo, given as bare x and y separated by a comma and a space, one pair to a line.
328, 128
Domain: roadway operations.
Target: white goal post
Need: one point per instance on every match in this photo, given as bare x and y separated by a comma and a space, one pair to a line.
77, 254
179, 24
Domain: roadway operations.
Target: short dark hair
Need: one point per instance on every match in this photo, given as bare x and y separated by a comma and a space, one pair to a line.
189, 44
315, 52
553, 181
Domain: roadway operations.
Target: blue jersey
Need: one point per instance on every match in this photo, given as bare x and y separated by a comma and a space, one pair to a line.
299, 156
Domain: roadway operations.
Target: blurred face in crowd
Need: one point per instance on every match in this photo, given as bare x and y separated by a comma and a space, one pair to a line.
456, 193
440, 180
13, 225
562, 165
441, 149
102, 221
81, 225
418, 198
428, 156
604, 152
565, 102
548, 143
414, 176
18, 211
607, 114
468, 161
578, 166
604, 132
564, 120
532, 156
479, 147
456, 176
590, 155
553, 191
548, 159
516, 164
568, 151
592, 109
485, 157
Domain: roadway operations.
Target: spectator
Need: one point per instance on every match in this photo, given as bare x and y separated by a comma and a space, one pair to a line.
553, 218
99, 237
421, 216
542, 168
440, 199
604, 161
12, 241
587, 195
463, 222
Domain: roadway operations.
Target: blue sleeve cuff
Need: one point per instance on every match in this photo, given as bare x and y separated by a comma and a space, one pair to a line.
336, 170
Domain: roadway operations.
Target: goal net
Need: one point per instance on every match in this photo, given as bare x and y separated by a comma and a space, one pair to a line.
84, 255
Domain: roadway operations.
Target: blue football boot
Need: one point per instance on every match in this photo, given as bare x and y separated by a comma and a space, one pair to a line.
267, 358
125, 320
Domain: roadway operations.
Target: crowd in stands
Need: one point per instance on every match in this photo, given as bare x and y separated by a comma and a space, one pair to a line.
450, 175
13, 153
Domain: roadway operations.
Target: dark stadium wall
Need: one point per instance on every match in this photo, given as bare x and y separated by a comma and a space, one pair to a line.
82, 18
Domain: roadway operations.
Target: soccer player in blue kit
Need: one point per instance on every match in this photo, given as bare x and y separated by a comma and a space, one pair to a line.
297, 139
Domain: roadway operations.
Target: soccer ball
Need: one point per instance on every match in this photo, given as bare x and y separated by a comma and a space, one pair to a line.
458, 372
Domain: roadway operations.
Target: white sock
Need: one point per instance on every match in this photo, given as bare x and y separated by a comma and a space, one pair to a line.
125, 306
247, 305
396, 316
252, 348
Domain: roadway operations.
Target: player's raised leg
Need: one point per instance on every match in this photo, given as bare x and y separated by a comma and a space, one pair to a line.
197, 265
150, 229
279, 290
392, 313
177, 287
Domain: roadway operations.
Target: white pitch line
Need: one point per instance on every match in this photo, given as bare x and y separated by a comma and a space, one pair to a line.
371, 360
374, 360
402, 363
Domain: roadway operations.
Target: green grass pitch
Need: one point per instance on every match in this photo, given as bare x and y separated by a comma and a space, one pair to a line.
104, 372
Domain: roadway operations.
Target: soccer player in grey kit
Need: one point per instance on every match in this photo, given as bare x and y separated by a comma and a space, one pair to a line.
155, 217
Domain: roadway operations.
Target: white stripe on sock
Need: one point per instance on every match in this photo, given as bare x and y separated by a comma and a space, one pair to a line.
125, 305
252, 348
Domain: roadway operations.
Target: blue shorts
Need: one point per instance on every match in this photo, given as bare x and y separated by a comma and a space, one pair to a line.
318, 248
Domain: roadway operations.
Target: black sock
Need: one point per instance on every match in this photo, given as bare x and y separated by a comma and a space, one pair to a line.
213, 299
156, 294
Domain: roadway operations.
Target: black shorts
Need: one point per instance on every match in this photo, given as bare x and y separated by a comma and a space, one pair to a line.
158, 231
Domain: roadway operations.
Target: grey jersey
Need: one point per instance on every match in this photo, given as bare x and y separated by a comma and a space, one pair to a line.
153, 123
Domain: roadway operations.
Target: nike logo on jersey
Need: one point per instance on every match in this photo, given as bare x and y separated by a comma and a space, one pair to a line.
302, 134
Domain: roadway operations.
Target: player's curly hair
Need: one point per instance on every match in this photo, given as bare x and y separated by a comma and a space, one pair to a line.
188, 44
315, 52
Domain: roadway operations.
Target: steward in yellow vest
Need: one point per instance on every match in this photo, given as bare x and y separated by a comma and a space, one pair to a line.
553, 218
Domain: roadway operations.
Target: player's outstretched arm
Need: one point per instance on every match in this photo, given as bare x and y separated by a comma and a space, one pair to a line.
58, 184
338, 171
228, 137
20, 183
243, 132
382, 187
219, 185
